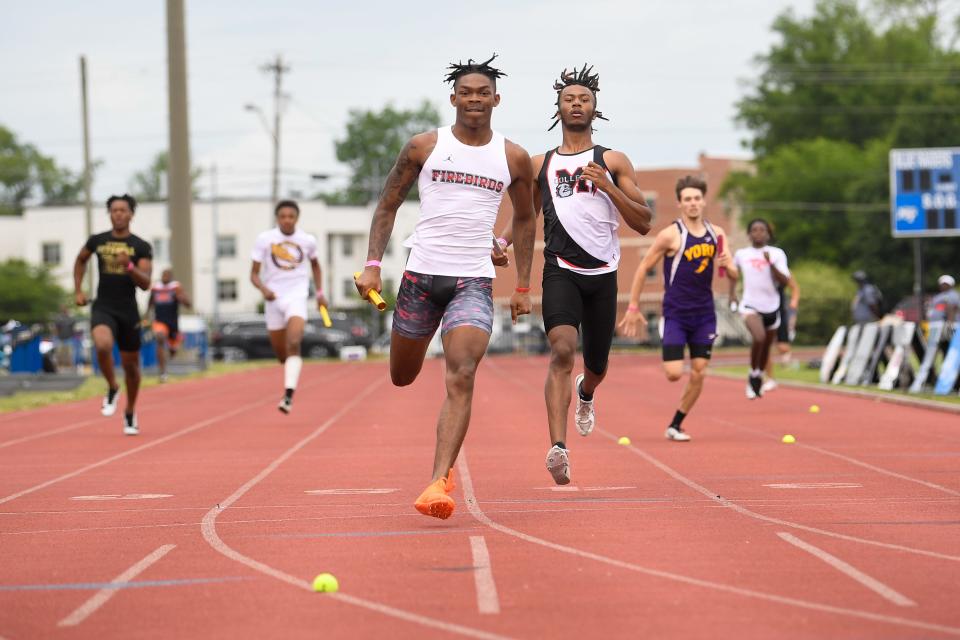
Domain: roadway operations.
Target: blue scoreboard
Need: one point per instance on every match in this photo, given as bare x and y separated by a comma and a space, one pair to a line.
923, 192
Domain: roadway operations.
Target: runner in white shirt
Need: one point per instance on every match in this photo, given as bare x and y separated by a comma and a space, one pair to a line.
763, 268
463, 173
283, 259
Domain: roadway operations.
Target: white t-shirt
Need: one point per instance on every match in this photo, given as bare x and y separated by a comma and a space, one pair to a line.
460, 192
285, 261
759, 288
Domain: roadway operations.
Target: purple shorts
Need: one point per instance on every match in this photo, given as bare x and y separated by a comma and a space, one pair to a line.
424, 300
698, 331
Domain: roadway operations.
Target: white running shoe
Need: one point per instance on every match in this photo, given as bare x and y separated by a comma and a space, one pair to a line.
286, 405
769, 385
558, 464
163, 378
584, 417
130, 425
109, 405
676, 434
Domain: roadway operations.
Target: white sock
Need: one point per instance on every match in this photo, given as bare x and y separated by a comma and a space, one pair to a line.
291, 371
755, 373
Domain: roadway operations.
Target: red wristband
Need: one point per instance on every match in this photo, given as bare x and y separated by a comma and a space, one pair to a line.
130, 266
372, 263
522, 289
633, 307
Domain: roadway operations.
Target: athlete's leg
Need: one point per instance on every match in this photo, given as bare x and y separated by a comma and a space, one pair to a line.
563, 351
293, 363
463, 348
415, 319
103, 342
130, 360
673, 370
406, 358
758, 337
765, 343
598, 327
161, 343
698, 372
278, 340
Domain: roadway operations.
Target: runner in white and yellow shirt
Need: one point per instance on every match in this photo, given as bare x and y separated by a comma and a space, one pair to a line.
283, 259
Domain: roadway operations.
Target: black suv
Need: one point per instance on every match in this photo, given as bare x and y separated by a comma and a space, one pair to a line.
249, 339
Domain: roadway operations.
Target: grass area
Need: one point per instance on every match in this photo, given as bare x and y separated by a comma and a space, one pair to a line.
94, 386
812, 376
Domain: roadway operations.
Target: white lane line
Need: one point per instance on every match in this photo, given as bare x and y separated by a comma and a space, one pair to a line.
209, 529
679, 477
466, 485
487, 600
101, 597
869, 582
176, 434
77, 425
51, 432
854, 461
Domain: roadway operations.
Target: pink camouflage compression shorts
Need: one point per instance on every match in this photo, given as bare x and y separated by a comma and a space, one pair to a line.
424, 300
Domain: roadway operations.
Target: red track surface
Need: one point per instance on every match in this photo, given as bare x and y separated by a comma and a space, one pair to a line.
654, 540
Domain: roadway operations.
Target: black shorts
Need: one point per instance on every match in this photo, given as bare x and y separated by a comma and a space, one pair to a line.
771, 321
588, 303
124, 325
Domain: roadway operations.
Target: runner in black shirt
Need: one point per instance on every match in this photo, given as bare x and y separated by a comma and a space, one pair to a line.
124, 263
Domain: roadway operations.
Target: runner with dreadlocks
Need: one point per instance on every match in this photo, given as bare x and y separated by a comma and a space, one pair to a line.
583, 190
462, 173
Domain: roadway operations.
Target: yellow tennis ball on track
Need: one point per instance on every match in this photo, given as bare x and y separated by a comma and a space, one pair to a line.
814, 408
624, 440
788, 439
326, 583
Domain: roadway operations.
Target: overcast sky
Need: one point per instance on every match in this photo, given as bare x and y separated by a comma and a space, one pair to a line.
670, 73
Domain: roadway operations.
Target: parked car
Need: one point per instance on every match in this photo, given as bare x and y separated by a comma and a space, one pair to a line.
249, 339
357, 331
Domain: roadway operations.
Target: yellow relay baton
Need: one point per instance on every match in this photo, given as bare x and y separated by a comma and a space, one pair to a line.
325, 316
373, 296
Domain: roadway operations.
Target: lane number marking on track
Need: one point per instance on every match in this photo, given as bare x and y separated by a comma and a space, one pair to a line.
572, 487
815, 485
128, 496
348, 492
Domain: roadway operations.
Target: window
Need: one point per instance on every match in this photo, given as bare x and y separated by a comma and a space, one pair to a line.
159, 250
652, 272
347, 246
51, 253
389, 250
226, 246
652, 203
349, 289
226, 290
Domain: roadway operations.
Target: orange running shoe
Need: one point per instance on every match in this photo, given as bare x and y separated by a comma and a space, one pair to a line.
434, 500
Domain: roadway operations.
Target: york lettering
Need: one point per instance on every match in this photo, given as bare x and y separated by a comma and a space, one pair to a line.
702, 250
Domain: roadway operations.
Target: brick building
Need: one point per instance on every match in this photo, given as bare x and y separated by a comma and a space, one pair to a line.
658, 187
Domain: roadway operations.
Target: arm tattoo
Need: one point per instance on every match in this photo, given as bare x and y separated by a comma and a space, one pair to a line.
401, 178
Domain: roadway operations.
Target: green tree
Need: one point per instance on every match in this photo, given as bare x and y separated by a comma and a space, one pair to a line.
150, 185
835, 94
26, 174
826, 292
371, 145
29, 294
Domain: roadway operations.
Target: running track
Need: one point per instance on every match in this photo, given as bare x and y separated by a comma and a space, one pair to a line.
213, 522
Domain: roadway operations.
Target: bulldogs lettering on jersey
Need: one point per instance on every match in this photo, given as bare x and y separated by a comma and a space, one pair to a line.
579, 221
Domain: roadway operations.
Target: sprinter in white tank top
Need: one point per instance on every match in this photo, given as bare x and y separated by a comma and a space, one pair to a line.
463, 173
583, 190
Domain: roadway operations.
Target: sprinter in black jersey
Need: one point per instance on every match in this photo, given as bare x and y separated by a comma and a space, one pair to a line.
124, 262
583, 191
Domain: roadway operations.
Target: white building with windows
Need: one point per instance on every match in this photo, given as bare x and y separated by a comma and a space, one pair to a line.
52, 236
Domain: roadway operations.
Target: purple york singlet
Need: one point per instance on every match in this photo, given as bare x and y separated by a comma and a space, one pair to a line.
691, 291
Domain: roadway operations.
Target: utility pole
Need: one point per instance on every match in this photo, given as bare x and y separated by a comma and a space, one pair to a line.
277, 68
215, 232
87, 170
180, 198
